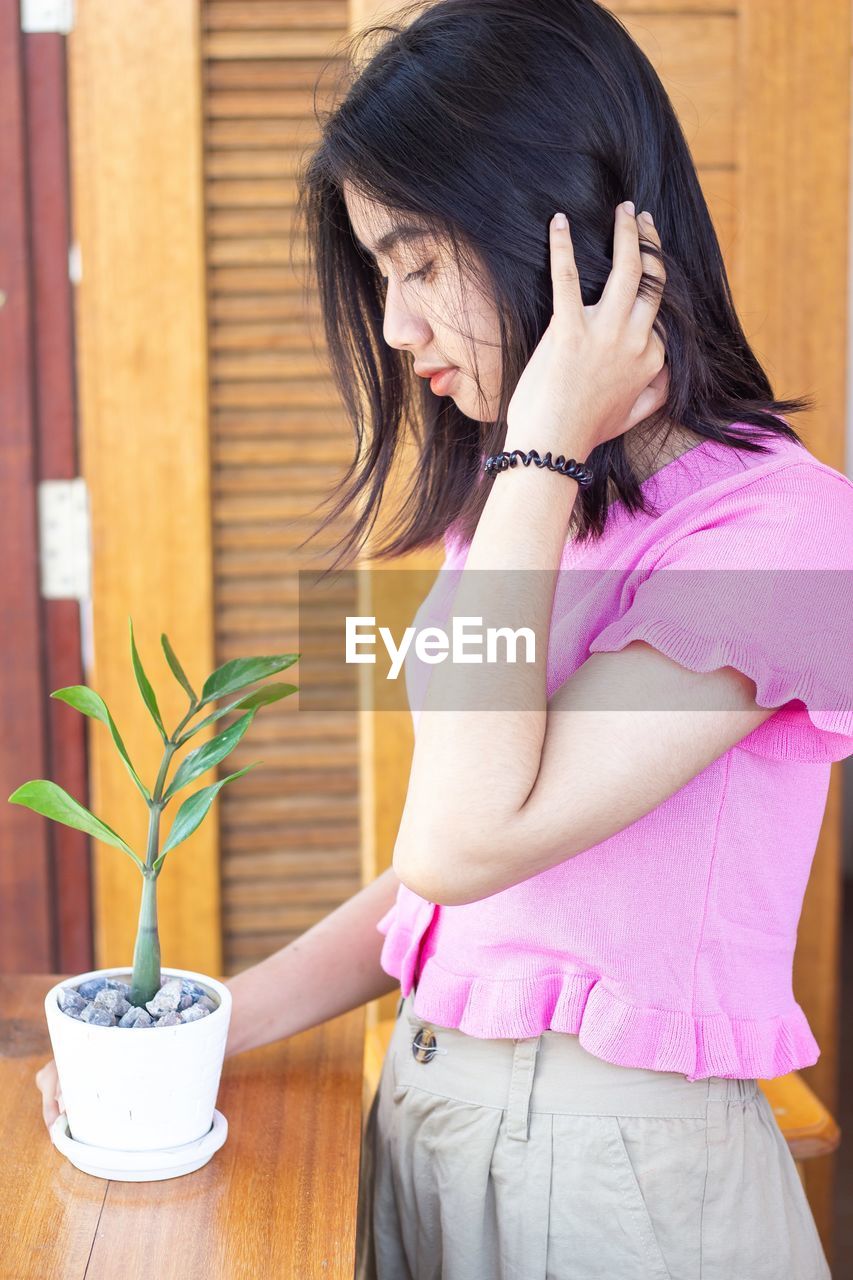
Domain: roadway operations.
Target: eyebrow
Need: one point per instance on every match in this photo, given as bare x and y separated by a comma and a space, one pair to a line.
401, 232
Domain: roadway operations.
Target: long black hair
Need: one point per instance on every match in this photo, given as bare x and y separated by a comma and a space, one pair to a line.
477, 119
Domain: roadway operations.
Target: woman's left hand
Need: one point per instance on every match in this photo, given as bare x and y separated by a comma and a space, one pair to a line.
597, 370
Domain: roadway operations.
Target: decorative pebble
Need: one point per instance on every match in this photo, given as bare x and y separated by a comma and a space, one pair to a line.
70, 1001
113, 1001
116, 984
194, 1013
88, 990
170, 1019
168, 999
97, 1017
136, 1017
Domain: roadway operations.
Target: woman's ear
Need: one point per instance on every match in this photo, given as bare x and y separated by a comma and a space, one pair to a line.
651, 398
662, 378
660, 382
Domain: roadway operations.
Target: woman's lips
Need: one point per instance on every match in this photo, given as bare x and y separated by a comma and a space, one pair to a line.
439, 382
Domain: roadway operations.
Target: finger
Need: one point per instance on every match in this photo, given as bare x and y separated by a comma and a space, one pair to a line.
620, 291
568, 303
646, 307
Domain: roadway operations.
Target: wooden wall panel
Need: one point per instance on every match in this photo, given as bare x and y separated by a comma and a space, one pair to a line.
26, 888
135, 109
791, 292
70, 887
45, 912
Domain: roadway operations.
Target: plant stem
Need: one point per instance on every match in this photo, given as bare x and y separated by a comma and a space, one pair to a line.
145, 980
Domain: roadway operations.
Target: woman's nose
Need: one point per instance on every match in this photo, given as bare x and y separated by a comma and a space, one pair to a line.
403, 328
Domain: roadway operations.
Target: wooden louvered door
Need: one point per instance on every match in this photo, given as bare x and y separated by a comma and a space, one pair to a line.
289, 833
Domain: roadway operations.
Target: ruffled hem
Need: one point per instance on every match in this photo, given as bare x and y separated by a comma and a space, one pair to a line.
813, 723
624, 1034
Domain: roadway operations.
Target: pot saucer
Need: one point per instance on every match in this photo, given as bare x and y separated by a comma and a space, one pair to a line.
139, 1166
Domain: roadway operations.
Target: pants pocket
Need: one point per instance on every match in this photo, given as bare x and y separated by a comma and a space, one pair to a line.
668, 1157
599, 1224
757, 1222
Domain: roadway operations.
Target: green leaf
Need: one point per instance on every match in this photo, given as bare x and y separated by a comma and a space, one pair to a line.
239, 672
51, 801
177, 670
145, 686
260, 698
209, 754
192, 812
84, 699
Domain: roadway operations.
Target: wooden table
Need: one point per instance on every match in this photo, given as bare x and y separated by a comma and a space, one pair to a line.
276, 1202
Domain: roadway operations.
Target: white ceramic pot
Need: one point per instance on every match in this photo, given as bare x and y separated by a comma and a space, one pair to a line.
139, 1089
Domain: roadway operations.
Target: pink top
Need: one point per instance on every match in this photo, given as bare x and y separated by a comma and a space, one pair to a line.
670, 945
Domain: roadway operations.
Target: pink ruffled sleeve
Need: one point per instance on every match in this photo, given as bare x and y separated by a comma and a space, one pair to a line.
761, 579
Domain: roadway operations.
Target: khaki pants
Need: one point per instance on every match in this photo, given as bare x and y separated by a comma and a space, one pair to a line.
535, 1160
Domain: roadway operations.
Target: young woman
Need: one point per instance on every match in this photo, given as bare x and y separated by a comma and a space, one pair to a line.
603, 852
602, 857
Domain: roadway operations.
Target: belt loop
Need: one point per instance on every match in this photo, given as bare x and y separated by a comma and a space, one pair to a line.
521, 1087
718, 1089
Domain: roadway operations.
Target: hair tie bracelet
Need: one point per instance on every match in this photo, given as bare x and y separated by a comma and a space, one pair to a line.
576, 470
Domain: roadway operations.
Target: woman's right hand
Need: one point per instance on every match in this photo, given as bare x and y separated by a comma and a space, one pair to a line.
52, 1103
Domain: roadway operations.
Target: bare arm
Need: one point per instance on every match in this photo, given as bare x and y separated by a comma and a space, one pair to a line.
622, 735
331, 968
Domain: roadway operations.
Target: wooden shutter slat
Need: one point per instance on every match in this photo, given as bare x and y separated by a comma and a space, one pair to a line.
275, 15
234, 395
249, 162
241, 308
234, 193
254, 75
266, 44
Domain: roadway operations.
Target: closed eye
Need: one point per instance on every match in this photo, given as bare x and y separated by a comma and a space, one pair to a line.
420, 274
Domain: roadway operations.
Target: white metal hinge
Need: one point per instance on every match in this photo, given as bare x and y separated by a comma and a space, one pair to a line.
47, 15
64, 539
75, 263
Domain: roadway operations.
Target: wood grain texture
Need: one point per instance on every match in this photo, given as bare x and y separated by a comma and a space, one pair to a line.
136, 142
790, 287
278, 1199
69, 888
26, 890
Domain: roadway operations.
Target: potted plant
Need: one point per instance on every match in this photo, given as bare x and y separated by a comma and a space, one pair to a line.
139, 1050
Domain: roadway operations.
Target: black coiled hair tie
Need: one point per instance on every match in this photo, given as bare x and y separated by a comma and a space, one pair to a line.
567, 467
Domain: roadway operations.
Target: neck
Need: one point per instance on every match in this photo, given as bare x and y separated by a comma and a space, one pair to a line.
649, 455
